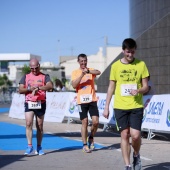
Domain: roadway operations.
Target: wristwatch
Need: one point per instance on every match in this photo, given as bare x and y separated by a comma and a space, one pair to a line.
88, 71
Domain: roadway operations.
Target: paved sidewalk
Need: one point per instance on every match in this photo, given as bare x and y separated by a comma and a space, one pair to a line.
155, 153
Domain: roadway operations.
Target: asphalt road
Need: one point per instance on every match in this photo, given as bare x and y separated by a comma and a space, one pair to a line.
63, 150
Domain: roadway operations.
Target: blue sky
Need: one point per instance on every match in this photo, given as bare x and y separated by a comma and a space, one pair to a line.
51, 28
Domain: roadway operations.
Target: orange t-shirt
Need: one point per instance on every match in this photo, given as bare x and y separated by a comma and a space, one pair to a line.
85, 90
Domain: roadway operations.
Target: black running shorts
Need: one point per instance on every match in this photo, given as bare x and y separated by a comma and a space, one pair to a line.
129, 118
37, 112
88, 107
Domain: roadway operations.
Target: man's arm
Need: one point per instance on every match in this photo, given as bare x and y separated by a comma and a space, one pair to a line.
95, 72
22, 89
144, 89
48, 86
110, 92
76, 81
150, 91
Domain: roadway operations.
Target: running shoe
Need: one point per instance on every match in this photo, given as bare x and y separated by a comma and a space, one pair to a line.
29, 150
91, 143
127, 168
39, 151
137, 162
86, 149
92, 147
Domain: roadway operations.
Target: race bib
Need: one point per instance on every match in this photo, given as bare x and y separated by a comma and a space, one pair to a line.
34, 105
126, 89
86, 98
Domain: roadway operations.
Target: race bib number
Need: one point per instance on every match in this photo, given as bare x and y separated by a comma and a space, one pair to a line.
86, 98
126, 89
34, 105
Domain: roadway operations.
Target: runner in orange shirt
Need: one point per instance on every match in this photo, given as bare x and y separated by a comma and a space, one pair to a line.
83, 82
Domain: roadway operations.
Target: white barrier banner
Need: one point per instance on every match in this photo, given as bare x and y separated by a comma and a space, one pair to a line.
157, 112
101, 105
17, 107
72, 110
57, 104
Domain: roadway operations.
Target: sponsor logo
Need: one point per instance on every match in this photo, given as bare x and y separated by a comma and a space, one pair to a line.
145, 110
73, 105
168, 118
144, 115
101, 104
153, 111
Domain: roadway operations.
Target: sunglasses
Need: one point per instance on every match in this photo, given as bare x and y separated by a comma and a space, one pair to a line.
35, 68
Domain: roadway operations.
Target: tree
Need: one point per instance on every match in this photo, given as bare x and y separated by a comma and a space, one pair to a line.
26, 69
4, 81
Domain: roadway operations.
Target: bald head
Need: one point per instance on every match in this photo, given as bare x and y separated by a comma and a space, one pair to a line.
34, 62
34, 66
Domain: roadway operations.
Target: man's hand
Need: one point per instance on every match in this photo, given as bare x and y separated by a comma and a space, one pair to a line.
85, 71
35, 90
134, 92
106, 113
